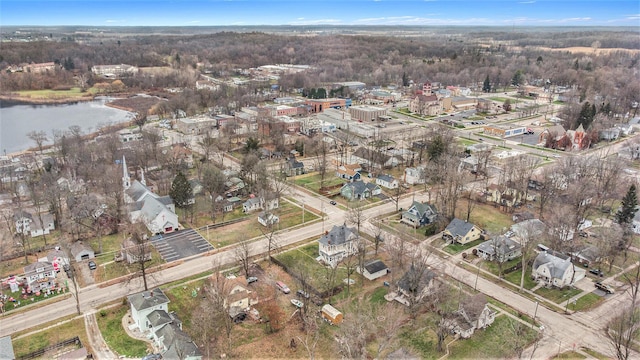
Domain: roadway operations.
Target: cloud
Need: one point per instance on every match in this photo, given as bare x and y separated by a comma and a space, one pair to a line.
112, 21
300, 19
527, 2
193, 22
633, 17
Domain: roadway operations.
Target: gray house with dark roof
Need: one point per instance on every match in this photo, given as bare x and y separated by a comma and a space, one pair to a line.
461, 231
419, 214
337, 244
554, 269
500, 248
359, 190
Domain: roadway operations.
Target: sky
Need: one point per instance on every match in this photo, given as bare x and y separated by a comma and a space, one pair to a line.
320, 12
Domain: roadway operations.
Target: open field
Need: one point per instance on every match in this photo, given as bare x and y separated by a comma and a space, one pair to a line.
51, 336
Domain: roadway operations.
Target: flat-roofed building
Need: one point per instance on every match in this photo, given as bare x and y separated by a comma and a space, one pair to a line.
366, 113
504, 131
320, 105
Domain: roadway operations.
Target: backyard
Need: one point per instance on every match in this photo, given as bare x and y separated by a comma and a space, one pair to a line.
110, 324
50, 336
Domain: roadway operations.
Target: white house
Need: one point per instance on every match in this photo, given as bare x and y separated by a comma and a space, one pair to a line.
144, 303
338, 244
267, 218
40, 276
554, 269
259, 203
414, 175
473, 314
373, 270
34, 225
387, 181
414, 285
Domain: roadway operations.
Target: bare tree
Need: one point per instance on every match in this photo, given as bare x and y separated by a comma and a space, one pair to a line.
243, 256
138, 248
217, 291
39, 137
622, 330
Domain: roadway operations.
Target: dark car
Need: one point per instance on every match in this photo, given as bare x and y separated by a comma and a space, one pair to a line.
604, 287
251, 279
92, 265
596, 272
66, 267
302, 293
332, 202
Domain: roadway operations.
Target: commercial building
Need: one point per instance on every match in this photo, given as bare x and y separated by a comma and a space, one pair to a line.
366, 113
320, 105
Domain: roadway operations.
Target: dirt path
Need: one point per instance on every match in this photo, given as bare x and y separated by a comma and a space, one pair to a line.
97, 343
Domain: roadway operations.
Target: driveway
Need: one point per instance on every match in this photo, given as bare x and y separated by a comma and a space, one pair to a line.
180, 244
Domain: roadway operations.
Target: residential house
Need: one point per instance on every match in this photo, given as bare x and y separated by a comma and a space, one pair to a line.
34, 225
359, 190
133, 252
40, 276
387, 181
157, 213
461, 232
268, 219
509, 197
373, 270
239, 298
414, 285
56, 257
293, 167
81, 251
528, 229
150, 314
414, 175
473, 314
500, 249
231, 203
610, 134
586, 255
259, 203
337, 244
371, 159
419, 214
349, 172
635, 223
551, 268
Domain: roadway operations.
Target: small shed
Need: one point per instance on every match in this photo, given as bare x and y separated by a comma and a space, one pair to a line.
374, 269
331, 314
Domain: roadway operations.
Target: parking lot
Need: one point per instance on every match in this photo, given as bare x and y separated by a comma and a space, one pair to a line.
180, 244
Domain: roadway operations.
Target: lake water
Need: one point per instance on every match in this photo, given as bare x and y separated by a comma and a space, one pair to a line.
18, 120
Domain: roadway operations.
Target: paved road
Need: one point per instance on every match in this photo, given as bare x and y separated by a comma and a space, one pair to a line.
561, 331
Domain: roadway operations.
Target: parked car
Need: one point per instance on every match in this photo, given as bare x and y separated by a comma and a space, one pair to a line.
596, 272
302, 293
251, 279
604, 287
332, 202
282, 287
92, 265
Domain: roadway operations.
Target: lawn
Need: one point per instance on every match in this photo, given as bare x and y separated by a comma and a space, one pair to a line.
514, 278
312, 181
587, 302
486, 216
558, 295
303, 259
423, 341
110, 324
54, 94
109, 269
183, 302
569, 355
495, 342
290, 215
498, 99
50, 336
456, 248
377, 297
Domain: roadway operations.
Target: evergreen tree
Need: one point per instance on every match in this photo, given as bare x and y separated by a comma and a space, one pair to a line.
518, 78
628, 209
507, 105
486, 87
405, 79
181, 190
587, 114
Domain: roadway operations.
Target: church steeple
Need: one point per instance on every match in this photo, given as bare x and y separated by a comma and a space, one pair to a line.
126, 180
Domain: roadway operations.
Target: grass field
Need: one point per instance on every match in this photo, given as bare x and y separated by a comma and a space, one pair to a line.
558, 295
111, 327
50, 336
587, 302
55, 94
